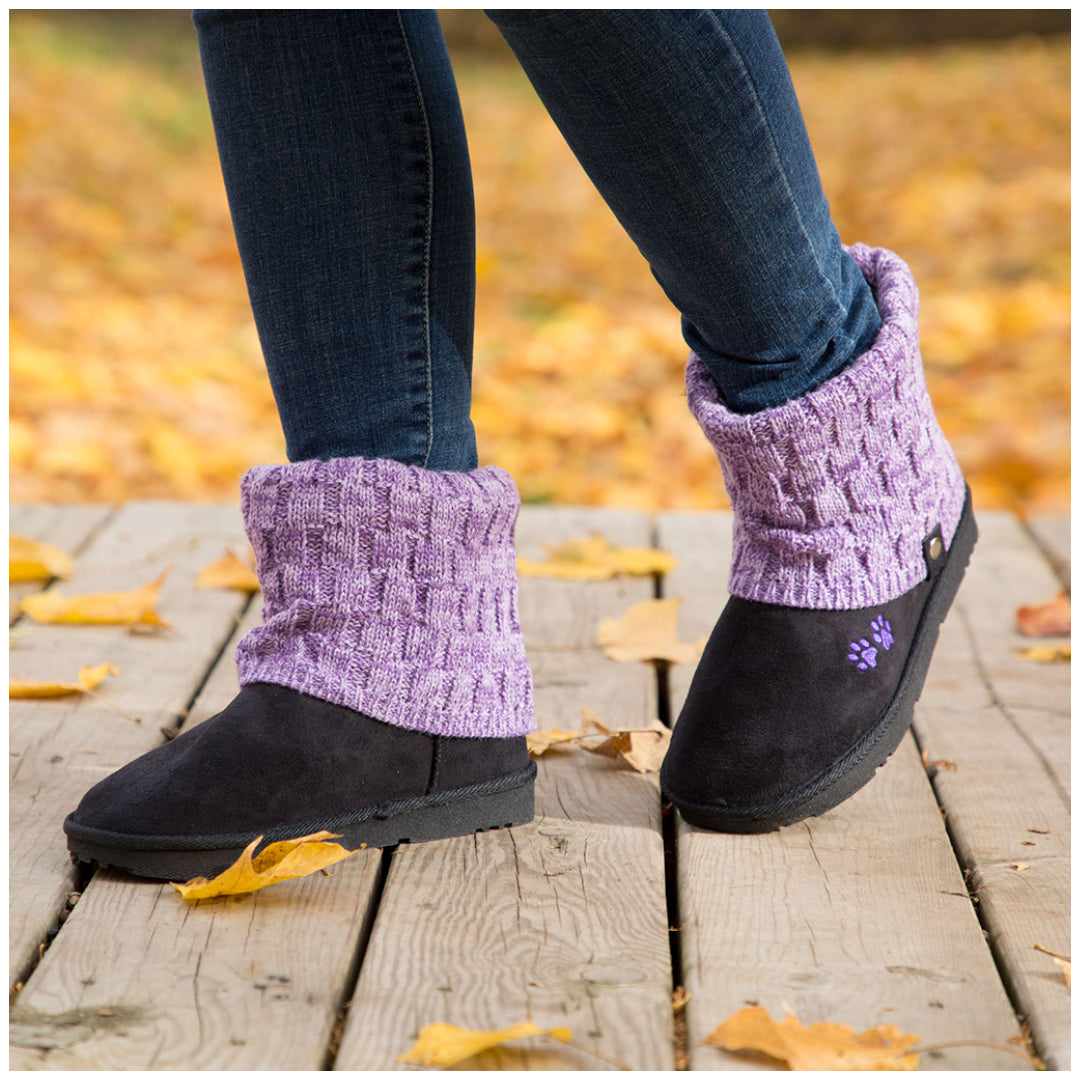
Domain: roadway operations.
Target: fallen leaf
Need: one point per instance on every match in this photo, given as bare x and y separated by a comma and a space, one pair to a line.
89, 678
642, 750
1046, 654
595, 559
1064, 962
540, 742
1040, 831
228, 572
112, 608
647, 631
1047, 619
820, 1046
30, 560
276, 862
444, 1045
1019, 866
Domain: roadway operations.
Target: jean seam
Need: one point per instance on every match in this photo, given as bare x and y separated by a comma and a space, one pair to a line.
764, 115
426, 258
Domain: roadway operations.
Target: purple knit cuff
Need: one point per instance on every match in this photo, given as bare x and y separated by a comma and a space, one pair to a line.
392, 590
835, 491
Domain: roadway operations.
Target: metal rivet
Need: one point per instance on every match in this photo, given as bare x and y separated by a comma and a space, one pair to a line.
935, 548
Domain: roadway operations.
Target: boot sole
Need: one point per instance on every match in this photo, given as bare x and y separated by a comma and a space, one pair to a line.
495, 804
858, 766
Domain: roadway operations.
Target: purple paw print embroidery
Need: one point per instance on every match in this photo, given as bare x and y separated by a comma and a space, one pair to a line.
864, 655
882, 632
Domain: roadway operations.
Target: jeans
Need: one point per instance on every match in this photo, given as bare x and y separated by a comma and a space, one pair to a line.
347, 170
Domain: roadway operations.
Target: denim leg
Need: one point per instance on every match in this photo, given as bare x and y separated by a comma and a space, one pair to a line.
347, 171
687, 123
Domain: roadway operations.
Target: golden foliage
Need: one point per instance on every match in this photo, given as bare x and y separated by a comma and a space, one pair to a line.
823, 1045
134, 608
1046, 654
135, 369
90, 677
280, 861
647, 631
228, 572
442, 1045
31, 560
642, 750
594, 558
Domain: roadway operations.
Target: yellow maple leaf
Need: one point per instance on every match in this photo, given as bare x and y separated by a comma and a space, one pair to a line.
1046, 654
594, 558
111, 608
89, 678
642, 750
647, 631
276, 862
540, 742
823, 1045
443, 1045
228, 572
30, 560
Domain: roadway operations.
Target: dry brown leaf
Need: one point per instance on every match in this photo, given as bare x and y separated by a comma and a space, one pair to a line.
1064, 962
30, 560
276, 862
112, 608
1050, 618
641, 750
540, 742
1046, 654
647, 631
442, 1045
595, 559
228, 572
1019, 866
820, 1046
89, 678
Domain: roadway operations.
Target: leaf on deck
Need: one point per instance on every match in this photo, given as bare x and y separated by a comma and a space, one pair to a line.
594, 558
135, 608
228, 572
31, 560
443, 1045
1046, 654
647, 631
822, 1045
89, 678
1048, 619
276, 862
642, 750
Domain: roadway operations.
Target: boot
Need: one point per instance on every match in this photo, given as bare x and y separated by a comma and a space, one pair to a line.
385, 697
853, 528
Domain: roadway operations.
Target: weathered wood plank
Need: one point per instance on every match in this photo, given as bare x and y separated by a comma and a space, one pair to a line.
62, 747
1053, 534
859, 916
562, 921
68, 527
252, 982
1003, 722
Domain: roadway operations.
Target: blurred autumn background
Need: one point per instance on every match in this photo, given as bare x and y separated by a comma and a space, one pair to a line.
135, 369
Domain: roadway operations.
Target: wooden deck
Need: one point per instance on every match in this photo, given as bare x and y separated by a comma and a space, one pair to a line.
918, 902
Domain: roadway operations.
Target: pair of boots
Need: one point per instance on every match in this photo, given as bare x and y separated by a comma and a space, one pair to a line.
387, 694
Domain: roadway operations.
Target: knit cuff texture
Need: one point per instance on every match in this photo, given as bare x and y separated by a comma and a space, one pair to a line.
835, 491
392, 590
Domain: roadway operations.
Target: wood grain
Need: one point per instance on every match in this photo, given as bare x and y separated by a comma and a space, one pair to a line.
60, 748
859, 916
1003, 724
562, 921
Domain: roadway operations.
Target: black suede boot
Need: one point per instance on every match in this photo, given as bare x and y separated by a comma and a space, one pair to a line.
385, 697
853, 528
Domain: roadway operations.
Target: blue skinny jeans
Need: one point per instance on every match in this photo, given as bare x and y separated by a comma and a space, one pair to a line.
347, 170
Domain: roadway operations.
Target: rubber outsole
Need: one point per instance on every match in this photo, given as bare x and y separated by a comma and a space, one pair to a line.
857, 767
460, 812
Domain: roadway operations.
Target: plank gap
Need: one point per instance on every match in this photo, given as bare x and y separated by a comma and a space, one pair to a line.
1003, 708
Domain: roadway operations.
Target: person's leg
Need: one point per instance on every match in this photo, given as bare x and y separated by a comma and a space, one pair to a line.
688, 125
347, 171
852, 530
386, 695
